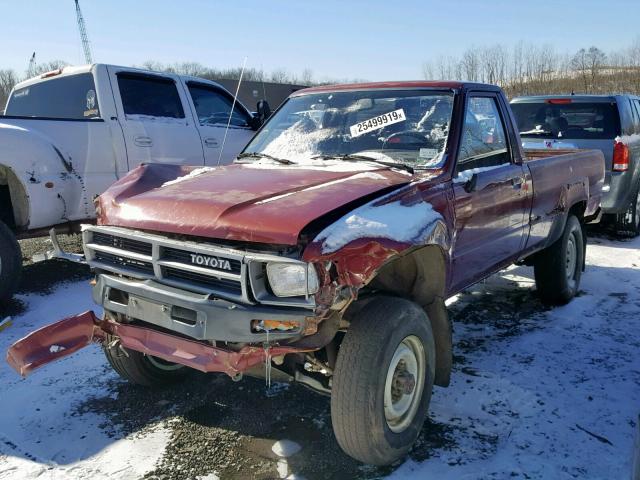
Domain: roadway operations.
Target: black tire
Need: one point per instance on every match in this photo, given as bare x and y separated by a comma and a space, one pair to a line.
558, 268
627, 224
141, 369
358, 411
10, 263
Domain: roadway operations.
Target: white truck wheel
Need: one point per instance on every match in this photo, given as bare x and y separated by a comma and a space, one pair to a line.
10, 263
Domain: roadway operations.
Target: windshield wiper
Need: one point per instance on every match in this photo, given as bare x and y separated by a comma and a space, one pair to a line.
349, 157
284, 161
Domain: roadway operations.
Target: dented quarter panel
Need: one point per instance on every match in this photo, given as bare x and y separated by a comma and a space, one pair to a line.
558, 184
60, 164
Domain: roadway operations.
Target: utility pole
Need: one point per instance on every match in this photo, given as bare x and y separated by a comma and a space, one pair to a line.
32, 66
83, 34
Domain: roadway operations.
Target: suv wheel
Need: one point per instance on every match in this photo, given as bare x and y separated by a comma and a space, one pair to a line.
628, 223
383, 380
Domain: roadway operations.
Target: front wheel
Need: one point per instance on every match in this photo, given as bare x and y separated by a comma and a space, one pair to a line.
10, 263
141, 369
383, 380
558, 268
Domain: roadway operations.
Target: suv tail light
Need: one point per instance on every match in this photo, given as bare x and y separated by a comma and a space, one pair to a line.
620, 157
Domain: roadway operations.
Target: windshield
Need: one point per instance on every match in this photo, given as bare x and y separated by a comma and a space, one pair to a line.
572, 120
404, 127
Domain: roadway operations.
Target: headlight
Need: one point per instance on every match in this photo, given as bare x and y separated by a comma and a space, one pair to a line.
292, 279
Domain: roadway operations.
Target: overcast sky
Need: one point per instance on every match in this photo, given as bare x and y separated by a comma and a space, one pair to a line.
372, 40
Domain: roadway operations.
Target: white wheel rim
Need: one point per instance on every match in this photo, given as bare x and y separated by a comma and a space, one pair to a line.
572, 258
404, 384
163, 364
637, 212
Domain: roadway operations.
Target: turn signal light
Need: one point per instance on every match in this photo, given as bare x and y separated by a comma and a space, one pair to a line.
271, 325
620, 157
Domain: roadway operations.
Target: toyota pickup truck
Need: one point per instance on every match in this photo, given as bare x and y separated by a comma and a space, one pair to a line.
70, 133
326, 252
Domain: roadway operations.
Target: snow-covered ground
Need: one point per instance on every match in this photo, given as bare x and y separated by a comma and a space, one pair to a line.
536, 392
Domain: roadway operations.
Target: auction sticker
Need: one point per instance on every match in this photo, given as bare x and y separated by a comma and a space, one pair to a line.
377, 123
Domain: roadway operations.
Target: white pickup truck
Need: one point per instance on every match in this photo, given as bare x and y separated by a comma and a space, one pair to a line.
69, 134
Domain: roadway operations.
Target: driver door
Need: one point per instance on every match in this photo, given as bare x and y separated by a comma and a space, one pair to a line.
490, 195
213, 107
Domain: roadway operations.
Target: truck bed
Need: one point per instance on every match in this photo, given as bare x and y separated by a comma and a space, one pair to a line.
561, 178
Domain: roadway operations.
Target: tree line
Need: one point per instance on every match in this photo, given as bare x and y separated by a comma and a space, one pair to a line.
528, 69
522, 69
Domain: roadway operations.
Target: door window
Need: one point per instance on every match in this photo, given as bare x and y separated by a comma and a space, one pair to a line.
148, 95
483, 141
213, 107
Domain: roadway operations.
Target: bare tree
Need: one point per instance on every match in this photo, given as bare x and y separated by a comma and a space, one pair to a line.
306, 78
8, 79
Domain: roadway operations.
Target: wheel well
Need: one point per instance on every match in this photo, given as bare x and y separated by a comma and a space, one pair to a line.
14, 201
420, 275
6, 208
578, 210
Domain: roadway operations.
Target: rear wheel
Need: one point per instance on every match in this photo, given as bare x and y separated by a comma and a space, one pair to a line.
628, 223
10, 263
383, 380
558, 268
142, 369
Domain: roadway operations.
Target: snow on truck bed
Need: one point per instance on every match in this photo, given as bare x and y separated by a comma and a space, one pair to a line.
536, 392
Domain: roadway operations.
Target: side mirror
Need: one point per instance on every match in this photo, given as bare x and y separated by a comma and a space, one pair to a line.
263, 111
470, 185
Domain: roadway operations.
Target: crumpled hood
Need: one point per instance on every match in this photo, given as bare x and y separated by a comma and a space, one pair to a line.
259, 202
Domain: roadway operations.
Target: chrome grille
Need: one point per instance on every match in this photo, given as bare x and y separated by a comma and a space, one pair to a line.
197, 267
124, 262
148, 256
122, 243
230, 286
183, 256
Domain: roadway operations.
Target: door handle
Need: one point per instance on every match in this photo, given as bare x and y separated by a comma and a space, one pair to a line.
517, 182
211, 142
142, 141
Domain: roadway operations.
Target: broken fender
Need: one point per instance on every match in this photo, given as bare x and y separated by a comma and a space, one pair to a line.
69, 335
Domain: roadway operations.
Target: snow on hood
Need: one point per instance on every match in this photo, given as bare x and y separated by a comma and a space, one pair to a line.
395, 221
191, 174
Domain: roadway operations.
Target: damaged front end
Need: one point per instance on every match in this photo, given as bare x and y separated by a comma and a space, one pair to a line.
71, 334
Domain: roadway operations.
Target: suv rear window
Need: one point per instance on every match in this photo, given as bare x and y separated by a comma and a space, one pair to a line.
578, 120
149, 95
69, 97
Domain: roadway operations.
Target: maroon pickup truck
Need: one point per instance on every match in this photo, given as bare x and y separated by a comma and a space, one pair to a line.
325, 253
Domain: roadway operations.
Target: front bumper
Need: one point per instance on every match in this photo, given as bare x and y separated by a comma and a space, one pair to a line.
69, 335
197, 315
